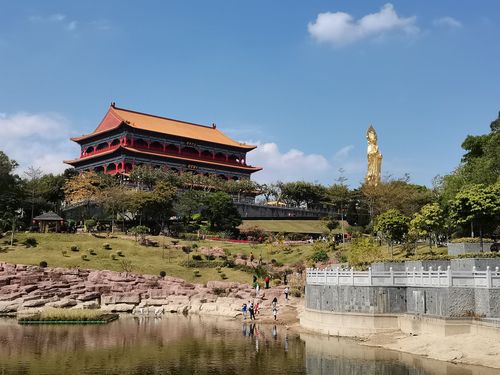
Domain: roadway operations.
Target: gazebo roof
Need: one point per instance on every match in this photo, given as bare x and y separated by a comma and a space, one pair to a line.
48, 216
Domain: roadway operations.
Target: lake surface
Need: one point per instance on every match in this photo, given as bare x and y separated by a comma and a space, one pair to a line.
194, 345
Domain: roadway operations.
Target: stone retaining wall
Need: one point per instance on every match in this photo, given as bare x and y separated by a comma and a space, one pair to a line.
26, 287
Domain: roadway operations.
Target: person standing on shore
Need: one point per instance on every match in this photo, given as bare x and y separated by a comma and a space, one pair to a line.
275, 312
275, 302
244, 310
267, 279
286, 292
251, 311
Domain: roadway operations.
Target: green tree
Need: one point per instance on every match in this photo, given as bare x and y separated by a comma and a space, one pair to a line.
478, 206
363, 251
11, 194
428, 222
303, 193
221, 212
392, 225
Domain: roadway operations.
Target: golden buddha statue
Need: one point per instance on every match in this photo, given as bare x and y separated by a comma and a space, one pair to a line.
374, 159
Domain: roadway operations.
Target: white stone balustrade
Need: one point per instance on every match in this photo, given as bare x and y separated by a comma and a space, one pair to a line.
438, 278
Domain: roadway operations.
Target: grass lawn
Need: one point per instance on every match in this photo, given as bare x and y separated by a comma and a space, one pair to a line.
288, 226
148, 260
152, 260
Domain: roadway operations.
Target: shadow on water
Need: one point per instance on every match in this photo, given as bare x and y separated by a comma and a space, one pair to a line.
194, 345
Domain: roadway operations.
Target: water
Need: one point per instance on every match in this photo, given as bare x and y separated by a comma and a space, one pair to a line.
193, 345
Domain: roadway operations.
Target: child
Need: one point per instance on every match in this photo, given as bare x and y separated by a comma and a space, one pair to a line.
275, 312
286, 291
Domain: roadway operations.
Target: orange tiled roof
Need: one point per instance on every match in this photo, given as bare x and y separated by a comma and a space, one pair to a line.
245, 167
115, 116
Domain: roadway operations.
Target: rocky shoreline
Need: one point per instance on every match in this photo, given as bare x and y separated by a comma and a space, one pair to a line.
24, 289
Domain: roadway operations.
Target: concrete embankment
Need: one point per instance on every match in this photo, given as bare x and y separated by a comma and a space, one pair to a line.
454, 324
26, 288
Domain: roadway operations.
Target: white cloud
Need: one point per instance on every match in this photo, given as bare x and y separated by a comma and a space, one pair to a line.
40, 140
291, 165
449, 22
56, 18
341, 28
71, 26
343, 153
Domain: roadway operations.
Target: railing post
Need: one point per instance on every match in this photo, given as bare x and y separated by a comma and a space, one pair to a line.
421, 276
439, 276
338, 275
352, 275
392, 275
488, 277
326, 276
369, 276
430, 276
474, 276
407, 281
448, 274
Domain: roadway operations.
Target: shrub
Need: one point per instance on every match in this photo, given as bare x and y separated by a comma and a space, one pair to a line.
220, 292
196, 273
363, 251
106, 246
202, 264
196, 257
277, 282
210, 257
296, 293
223, 276
64, 253
43, 264
74, 248
120, 253
194, 246
320, 256
30, 242
163, 274
219, 269
89, 224
84, 257
244, 256
92, 252
113, 256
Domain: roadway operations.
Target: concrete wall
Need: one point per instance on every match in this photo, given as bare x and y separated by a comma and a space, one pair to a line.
255, 211
451, 302
462, 248
356, 299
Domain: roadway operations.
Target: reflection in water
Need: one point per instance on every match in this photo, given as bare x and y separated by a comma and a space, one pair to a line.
193, 345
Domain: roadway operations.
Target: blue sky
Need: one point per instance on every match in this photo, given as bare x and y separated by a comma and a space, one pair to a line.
303, 79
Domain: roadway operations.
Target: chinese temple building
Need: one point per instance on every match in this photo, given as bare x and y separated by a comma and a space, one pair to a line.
125, 139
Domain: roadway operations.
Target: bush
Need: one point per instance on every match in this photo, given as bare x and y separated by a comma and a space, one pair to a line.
113, 256
210, 257
84, 257
244, 256
296, 293
196, 257
202, 264
30, 242
320, 256
163, 274
92, 252
223, 276
277, 282
120, 253
219, 269
363, 251
43, 264
190, 236
106, 246
220, 292
64, 253
90, 224
196, 273
74, 248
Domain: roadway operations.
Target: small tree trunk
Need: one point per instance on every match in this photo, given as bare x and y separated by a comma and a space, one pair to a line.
13, 230
481, 237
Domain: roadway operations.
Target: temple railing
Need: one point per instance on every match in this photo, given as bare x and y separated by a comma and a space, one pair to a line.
439, 278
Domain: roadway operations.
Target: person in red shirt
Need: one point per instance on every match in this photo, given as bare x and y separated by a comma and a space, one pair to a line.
267, 281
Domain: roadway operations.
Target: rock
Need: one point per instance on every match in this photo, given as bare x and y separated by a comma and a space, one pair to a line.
133, 298
29, 288
66, 302
120, 307
88, 296
11, 296
35, 303
10, 306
